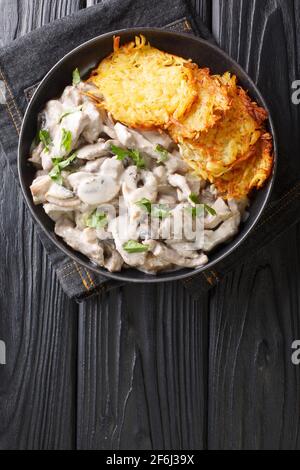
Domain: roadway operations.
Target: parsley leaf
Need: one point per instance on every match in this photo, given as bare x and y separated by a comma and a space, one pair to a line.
195, 211
66, 140
209, 209
137, 158
194, 198
65, 163
164, 154
119, 152
160, 211
199, 210
97, 220
55, 175
125, 153
71, 111
76, 77
60, 164
144, 204
45, 138
134, 247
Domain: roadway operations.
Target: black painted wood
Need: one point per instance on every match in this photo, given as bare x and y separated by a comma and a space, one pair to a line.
142, 370
37, 321
254, 314
154, 368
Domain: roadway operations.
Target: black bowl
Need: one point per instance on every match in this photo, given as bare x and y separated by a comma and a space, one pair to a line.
86, 57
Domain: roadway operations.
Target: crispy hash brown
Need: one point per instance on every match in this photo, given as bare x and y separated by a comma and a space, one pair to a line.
219, 130
230, 141
250, 174
144, 87
213, 100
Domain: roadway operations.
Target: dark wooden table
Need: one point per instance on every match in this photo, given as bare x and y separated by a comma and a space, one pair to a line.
147, 367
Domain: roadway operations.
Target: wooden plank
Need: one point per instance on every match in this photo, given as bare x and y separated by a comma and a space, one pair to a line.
142, 370
142, 365
254, 389
37, 322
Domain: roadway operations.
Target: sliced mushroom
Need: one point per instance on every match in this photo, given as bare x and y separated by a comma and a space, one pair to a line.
59, 192
95, 189
98, 189
73, 203
39, 189
55, 212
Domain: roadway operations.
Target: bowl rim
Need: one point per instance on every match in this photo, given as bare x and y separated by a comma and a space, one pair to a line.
173, 275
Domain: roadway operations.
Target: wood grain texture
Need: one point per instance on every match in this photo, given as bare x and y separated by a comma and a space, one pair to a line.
142, 370
145, 354
37, 321
142, 381
254, 314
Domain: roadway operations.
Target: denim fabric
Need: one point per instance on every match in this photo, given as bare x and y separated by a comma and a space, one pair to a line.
24, 63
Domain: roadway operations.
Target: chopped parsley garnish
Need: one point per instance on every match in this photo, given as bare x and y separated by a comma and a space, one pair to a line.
195, 211
209, 209
137, 158
126, 153
134, 247
66, 140
45, 138
164, 154
199, 210
119, 152
194, 198
97, 220
76, 77
60, 164
160, 211
144, 204
71, 111
55, 175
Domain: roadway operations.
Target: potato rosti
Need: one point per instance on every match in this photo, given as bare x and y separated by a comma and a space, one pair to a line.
143, 86
219, 129
249, 174
230, 141
212, 101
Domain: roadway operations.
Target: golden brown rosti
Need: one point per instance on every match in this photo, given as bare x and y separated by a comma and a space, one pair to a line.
250, 174
229, 141
213, 100
143, 86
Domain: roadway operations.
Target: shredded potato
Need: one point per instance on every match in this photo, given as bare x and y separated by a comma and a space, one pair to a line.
230, 141
144, 87
213, 100
219, 130
250, 174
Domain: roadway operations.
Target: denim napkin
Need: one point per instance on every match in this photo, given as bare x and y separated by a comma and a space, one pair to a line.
25, 62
